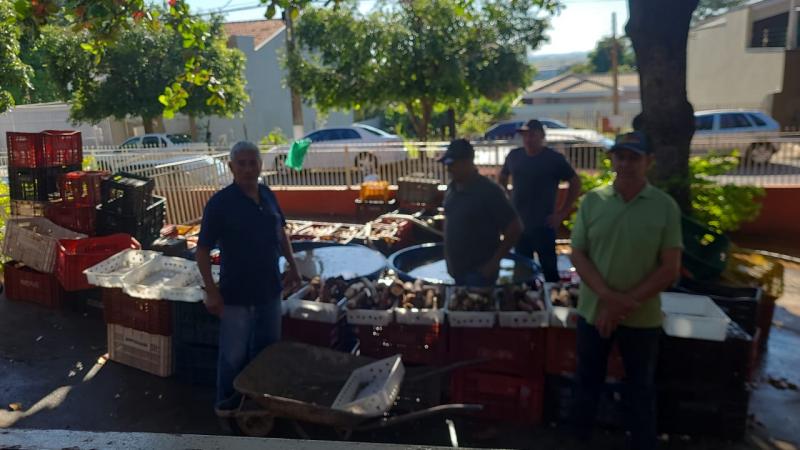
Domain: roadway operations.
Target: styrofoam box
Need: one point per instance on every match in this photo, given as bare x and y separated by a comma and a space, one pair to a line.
560, 316
374, 317
693, 317
313, 311
469, 319
524, 319
167, 278
371, 390
109, 272
422, 316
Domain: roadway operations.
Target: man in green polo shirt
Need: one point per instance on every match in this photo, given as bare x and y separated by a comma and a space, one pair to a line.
626, 246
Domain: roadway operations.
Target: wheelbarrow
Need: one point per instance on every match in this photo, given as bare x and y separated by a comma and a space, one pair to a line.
300, 382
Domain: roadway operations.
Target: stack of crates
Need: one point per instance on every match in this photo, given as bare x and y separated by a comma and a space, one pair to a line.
35, 162
195, 337
79, 194
129, 206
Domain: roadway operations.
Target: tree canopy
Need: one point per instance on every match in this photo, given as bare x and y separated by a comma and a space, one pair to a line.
132, 76
709, 8
600, 58
417, 55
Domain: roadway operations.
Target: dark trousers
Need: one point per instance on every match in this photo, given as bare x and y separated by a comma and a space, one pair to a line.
639, 349
541, 240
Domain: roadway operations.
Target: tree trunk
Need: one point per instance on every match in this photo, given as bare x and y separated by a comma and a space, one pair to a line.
193, 128
427, 110
148, 124
451, 122
659, 31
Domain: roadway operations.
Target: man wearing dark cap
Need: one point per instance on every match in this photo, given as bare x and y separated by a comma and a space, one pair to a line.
536, 171
626, 246
477, 215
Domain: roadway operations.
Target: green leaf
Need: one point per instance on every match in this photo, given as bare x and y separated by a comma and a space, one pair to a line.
88, 47
270, 13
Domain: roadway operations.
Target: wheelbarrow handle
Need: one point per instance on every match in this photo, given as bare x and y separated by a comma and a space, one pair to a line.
445, 369
439, 409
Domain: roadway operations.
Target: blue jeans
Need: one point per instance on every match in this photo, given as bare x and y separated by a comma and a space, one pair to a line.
244, 332
639, 350
541, 240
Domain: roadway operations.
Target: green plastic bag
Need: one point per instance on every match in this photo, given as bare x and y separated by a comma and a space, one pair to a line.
294, 160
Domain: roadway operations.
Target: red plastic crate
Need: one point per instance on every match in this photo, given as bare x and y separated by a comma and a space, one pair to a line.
418, 344
72, 216
76, 255
50, 148
504, 398
82, 187
151, 316
512, 351
310, 332
562, 358
25, 284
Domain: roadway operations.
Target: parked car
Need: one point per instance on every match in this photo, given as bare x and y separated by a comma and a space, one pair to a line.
159, 140
557, 132
753, 132
358, 145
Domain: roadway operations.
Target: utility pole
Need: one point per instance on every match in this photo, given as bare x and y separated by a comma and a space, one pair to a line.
615, 67
791, 32
297, 105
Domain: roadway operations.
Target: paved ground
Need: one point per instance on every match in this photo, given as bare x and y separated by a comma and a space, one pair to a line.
51, 363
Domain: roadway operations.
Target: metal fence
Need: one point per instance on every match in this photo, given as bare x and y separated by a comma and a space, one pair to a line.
188, 177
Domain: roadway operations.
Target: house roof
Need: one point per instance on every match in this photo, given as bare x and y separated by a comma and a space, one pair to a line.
262, 31
573, 83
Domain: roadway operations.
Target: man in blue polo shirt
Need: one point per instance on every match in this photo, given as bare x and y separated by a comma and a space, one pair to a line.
244, 219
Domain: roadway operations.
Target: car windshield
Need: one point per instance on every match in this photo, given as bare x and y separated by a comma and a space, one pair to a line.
372, 130
553, 124
180, 138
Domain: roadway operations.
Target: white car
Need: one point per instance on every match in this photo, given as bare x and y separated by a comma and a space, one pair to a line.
160, 140
360, 146
754, 133
556, 132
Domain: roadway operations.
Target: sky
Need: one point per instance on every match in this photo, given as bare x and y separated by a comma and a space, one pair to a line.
577, 28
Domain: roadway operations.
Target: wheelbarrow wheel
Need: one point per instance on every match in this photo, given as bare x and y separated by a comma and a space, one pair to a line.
254, 425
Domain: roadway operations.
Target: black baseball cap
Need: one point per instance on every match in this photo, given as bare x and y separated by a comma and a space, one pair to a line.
635, 141
531, 125
457, 149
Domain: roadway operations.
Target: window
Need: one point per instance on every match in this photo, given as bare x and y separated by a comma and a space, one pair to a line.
132, 142
346, 133
318, 136
503, 131
151, 141
553, 124
704, 123
180, 138
757, 120
729, 121
770, 32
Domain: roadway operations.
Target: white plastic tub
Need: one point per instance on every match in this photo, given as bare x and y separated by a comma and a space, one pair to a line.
693, 317
525, 319
313, 310
167, 278
469, 319
371, 390
374, 317
109, 272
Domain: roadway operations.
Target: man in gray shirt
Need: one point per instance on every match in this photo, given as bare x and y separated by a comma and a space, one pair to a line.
536, 171
477, 214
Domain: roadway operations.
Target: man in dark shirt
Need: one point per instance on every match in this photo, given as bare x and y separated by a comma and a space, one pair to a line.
536, 171
477, 213
244, 219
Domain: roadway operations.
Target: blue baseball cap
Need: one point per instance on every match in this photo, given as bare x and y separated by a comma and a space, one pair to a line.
635, 141
457, 149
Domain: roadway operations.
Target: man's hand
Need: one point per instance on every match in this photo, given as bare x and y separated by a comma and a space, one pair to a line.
618, 305
604, 322
555, 220
490, 269
214, 303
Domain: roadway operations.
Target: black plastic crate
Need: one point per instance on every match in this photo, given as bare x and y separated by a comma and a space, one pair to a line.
703, 410
194, 325
170, 246
195, 364
38, 185
126, 194
739, 303
144, 229
697, 361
